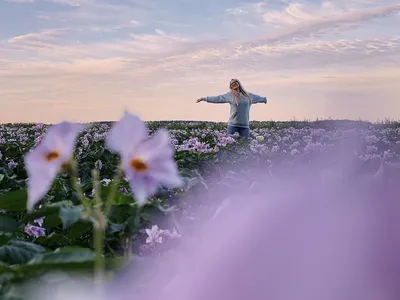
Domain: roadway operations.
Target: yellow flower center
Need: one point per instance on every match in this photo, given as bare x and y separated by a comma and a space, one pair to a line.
139, 165
52, 155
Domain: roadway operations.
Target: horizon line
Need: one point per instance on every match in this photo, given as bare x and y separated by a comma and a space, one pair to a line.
377, 122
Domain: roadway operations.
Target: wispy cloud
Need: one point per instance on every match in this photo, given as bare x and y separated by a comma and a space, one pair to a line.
45, 35
322, 21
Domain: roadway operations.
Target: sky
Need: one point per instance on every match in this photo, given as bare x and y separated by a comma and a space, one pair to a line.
90, 60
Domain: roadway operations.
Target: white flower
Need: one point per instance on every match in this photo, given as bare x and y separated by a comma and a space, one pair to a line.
155, 235
106, 181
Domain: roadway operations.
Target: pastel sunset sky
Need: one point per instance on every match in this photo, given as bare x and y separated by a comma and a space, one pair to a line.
89, 60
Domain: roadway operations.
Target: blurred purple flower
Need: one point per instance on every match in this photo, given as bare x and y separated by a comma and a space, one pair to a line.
35, 231
46, 160
147, 162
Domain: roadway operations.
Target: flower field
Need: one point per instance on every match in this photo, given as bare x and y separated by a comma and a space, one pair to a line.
96, 214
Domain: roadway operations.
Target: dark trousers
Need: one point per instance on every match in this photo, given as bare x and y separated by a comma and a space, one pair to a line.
243, 132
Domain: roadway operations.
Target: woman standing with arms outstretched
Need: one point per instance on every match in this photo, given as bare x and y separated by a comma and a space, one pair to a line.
240, 102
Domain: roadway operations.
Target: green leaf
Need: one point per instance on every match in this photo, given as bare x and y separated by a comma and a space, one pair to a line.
4, 239
120, 213
6, 274
137, 220
14, 201
19, 252
55, 239
47, 210
5, 268
70, 215
123, 199
150, 212
8, 224
114, 228
66, 259
52, 221
79, 229
119, 198
64, 255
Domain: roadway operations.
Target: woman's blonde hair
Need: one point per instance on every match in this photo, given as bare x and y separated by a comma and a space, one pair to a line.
235, 94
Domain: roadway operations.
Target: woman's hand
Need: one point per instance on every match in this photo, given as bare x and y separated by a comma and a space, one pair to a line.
199, 100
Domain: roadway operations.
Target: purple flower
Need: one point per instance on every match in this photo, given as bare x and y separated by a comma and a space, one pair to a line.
12, 164
39, 221
155, 235
35, 231
46, 160
39, 126
85, 141
147, 161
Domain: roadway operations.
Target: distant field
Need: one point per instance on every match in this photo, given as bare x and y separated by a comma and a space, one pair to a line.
206, 156
326, 124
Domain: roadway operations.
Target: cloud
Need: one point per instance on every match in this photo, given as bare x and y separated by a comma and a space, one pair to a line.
337, 47
247, 8
236, 11
114, 28
295, 14
111, 51
73, 3
94, 15
46, 35
303, 24
162, 51
157, 57
20, 1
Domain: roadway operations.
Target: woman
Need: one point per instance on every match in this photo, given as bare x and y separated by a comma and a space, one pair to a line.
240, 102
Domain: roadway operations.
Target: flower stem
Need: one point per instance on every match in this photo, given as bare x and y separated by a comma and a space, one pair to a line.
97, 191
99, 264
98, 246
112, 192
128, 252
99, 227
78, 189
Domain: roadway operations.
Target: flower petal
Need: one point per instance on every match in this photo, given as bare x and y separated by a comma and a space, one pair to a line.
38, 187
142, 187
158, 153
166, 173
156, 146
126, 134
60, 138
63, 137
154, 156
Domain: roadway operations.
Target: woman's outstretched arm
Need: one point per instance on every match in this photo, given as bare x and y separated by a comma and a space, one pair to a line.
257, 99
225, 98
